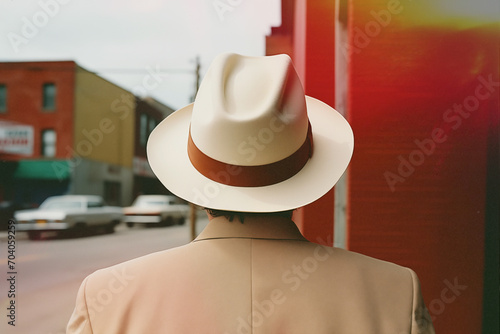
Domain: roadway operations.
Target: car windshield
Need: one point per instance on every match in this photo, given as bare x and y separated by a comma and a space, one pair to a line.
62, 205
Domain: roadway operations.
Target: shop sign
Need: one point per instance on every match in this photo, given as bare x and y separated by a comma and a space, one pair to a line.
16, 139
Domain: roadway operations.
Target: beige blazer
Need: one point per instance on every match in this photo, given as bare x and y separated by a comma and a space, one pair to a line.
258, 277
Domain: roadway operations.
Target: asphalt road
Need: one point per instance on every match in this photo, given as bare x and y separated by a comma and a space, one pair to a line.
49, 272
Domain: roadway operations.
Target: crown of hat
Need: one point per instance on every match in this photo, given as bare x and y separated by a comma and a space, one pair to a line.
249, 111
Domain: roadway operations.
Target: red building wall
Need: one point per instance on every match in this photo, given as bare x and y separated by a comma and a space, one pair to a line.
423, 98
24, 83
421, 101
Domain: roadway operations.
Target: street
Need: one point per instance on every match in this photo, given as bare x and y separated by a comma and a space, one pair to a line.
49, 272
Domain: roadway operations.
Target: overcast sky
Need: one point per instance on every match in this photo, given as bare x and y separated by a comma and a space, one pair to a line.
137, 37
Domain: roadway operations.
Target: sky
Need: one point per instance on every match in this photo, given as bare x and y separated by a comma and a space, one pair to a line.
124, 41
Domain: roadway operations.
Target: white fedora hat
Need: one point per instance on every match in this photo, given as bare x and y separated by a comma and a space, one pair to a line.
252, 141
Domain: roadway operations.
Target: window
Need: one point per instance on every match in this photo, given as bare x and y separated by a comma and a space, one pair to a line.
147, 124
49, 96
3, 98
49, 139
143, 131
94, 204
152, 125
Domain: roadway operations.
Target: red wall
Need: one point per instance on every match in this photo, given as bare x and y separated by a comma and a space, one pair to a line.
420, 113
24, 83
422, 99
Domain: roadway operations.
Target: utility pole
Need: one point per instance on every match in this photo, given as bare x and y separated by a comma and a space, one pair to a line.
197, 77
192, 207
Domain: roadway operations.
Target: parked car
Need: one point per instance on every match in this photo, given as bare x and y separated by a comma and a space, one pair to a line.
68, 212
156, 210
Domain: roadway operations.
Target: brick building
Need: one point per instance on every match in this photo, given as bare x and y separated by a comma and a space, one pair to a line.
80, 133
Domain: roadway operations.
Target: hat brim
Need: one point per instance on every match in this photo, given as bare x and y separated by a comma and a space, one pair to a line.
333, 146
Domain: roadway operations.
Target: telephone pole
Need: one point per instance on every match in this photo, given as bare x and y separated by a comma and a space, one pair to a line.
192, 207
197, 77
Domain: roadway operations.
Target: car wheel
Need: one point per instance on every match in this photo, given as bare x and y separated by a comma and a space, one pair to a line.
79, 229
130, 225
181, 221
34, 235
110, 228
166, 222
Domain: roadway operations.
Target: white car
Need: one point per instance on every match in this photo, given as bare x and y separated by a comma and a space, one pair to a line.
159, 210
68, 212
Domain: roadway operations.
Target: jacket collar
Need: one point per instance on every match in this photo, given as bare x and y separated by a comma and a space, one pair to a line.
264, 227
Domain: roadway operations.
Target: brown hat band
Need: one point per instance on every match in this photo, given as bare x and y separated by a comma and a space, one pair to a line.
251, 176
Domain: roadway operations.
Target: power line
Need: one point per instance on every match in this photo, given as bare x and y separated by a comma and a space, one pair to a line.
141, 71
21, 66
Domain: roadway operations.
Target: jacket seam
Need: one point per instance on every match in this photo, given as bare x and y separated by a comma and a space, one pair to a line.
251, 238
412, 299
86, 305
251, 286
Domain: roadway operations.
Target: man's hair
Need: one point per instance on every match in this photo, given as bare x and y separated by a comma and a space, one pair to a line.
230, 215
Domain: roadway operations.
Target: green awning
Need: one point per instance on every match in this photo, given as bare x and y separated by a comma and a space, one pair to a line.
43, 169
